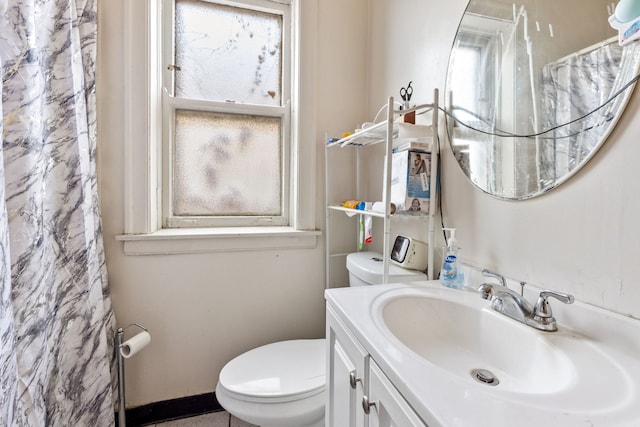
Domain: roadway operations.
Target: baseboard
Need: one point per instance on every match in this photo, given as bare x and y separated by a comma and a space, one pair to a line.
173, 409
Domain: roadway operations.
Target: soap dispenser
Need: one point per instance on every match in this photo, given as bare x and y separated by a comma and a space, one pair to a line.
451, 274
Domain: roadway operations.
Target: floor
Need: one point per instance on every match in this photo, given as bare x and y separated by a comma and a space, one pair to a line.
214, 419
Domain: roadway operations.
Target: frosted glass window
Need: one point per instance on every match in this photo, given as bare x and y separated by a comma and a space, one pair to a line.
227, 53
227, 165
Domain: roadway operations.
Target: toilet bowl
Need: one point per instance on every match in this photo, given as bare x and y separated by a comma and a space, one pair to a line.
283, 384
276, 385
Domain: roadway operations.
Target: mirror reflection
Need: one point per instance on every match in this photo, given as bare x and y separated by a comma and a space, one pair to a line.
534, 88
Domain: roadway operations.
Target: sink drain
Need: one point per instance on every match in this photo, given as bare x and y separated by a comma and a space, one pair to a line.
485, 377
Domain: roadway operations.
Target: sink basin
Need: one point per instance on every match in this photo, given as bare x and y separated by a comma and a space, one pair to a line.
457, 333
461, 338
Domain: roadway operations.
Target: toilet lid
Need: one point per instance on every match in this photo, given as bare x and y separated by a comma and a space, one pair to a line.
281, 369
368, 267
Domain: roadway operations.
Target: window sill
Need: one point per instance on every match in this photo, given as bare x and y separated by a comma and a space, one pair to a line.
232, 239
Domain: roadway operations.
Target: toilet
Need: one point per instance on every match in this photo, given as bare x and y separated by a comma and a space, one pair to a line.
365, 268
276, 385
282, 384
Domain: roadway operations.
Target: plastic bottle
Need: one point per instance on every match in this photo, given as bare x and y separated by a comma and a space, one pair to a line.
451, 275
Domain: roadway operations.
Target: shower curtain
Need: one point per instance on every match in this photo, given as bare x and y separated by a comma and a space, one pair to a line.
56, 322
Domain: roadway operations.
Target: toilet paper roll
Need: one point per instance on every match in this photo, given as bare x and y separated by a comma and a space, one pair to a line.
379, 207
135, 344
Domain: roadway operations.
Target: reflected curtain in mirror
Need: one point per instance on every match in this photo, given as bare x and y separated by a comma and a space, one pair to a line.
570, 83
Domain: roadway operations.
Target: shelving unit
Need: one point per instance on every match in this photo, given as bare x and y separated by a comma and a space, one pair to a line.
383, 132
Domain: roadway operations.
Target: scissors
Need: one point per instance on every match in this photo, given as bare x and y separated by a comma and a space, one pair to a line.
405, 93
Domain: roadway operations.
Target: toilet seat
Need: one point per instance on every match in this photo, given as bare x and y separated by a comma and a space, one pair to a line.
284, 371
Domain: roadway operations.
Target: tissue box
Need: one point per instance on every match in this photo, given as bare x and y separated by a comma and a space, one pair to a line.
410, 180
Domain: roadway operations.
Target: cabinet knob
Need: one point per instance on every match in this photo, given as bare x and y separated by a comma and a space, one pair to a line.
353, 380
366, 405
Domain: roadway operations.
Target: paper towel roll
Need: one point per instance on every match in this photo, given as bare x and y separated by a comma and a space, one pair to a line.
135, 344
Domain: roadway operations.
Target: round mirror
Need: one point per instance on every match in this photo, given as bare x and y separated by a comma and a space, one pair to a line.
533, 90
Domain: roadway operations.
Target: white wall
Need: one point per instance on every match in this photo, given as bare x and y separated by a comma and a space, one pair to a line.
582, 237
204, 309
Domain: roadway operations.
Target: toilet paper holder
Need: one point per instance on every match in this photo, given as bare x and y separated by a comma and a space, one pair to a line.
139, 341
121, 330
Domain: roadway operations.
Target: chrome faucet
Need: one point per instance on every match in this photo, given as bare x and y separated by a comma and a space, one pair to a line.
511, 304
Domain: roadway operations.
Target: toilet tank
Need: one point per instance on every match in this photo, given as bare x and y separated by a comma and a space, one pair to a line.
365, 268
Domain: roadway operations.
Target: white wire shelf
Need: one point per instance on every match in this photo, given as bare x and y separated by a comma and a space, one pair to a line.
387, 133
377, 132
374, 134
356, 211
375, 213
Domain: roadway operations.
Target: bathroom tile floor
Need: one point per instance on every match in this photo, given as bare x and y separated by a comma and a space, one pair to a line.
214, 419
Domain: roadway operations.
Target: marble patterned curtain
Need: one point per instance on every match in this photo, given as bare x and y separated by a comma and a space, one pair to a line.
56, 322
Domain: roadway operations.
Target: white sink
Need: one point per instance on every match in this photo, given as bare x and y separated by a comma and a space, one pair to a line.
455, 333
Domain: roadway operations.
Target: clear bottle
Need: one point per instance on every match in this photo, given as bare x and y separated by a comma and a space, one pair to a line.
451, 274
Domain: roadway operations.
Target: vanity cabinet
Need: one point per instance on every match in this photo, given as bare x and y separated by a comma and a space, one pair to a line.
347, 368
359, 393
387, 407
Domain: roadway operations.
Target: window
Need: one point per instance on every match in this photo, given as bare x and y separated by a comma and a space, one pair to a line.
220, 131
226, 91
475, 55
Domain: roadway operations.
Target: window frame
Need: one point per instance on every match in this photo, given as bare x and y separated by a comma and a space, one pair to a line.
143, 232
171, 103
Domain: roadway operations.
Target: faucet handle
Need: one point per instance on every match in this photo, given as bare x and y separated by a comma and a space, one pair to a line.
543, 309
488, 273
542, 317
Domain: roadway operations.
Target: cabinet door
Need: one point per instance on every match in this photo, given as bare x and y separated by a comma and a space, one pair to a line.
387, 408
346, 368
